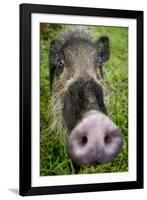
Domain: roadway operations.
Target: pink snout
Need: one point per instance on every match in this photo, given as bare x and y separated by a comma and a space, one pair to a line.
96, 139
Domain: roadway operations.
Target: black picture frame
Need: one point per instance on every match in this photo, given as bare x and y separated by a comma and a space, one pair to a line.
25, 187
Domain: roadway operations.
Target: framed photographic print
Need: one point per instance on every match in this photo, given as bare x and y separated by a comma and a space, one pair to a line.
81, 99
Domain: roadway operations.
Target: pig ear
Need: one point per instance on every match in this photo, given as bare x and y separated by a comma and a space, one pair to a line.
53, 48
103, 48
53, 55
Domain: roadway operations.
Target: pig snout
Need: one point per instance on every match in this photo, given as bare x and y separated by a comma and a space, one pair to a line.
96, 139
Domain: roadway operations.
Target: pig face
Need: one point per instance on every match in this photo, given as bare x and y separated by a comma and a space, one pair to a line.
76, 77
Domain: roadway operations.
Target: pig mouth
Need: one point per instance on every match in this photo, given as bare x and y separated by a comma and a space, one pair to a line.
95, 139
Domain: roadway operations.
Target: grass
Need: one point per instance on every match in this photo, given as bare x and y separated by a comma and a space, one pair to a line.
53, 155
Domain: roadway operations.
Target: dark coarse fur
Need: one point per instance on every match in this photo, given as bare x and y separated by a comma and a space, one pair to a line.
78, 98
73, 36
57, 45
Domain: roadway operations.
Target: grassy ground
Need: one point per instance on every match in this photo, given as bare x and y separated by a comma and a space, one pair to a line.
53, 156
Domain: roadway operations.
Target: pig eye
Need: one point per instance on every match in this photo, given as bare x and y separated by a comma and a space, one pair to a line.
60, 67
61, 62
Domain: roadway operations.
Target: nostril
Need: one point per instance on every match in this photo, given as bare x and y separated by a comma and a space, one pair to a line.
84, 140
107, 139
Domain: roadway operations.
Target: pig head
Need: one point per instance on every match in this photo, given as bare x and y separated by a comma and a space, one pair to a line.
77, 81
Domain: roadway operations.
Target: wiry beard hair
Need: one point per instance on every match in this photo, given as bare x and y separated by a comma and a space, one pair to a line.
55, 118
